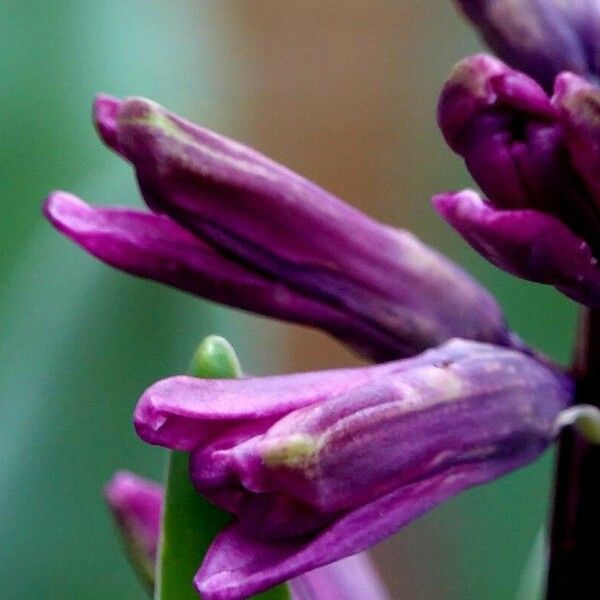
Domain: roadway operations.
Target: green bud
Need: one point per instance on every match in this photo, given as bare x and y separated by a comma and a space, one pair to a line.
215, 358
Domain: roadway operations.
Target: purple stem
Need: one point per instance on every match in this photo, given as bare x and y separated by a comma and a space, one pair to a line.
575, 536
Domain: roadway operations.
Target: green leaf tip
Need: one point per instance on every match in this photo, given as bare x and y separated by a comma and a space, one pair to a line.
215, 358
190, 522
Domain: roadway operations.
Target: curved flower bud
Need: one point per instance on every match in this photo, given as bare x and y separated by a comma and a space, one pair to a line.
540, 37
536, 158
137, 505
319, 466
233, 226
527, 243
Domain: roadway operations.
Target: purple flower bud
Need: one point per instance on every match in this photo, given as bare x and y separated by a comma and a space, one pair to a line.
319, 466
137, 506
233, 226
540, 37
536, 158
527, 243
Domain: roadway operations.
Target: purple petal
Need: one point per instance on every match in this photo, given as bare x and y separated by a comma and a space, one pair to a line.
505, 127
316, 467
181, 412
526, 243
540, 37
579, 104
237, 565
401, 294
478, 83
353, 578
136, 504
352, 447
155, 247
105, 112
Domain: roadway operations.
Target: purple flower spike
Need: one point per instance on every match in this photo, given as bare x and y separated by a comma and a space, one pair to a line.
540, 37
235, 227
537, 159
136, 504
319, 466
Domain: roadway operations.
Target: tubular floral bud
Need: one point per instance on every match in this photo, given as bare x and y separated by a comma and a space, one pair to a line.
319, 466
137, 506
540, 37
536, 158
235, 227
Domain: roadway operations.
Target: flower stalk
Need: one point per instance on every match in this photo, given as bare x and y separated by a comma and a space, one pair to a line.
575, 531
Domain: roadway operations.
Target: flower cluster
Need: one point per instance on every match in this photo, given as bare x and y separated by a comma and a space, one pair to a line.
316, 467
531, 139
536, 158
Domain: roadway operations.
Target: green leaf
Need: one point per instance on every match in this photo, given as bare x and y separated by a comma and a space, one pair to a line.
190, 522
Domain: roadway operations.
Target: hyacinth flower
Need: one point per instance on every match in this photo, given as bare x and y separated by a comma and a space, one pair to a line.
228, 224
319, 466
540, 37
537, 159
137, 505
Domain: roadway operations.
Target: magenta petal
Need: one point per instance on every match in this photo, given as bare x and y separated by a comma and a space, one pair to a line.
526, 243
181, 412
579, 104
479, 83
155, 247
237, 566
319, 466
398, 296
105, 112
136, 504
540, 37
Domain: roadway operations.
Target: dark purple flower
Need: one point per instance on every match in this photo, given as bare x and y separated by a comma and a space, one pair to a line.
540, 37
137, 506
235, 227
537, 160
319, 466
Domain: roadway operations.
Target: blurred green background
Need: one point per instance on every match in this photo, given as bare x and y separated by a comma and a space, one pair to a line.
346, 94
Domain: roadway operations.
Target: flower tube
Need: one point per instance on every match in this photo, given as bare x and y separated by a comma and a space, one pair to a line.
233, 226
319, 466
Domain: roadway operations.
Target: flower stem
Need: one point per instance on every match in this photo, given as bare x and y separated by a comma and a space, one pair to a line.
575, 534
